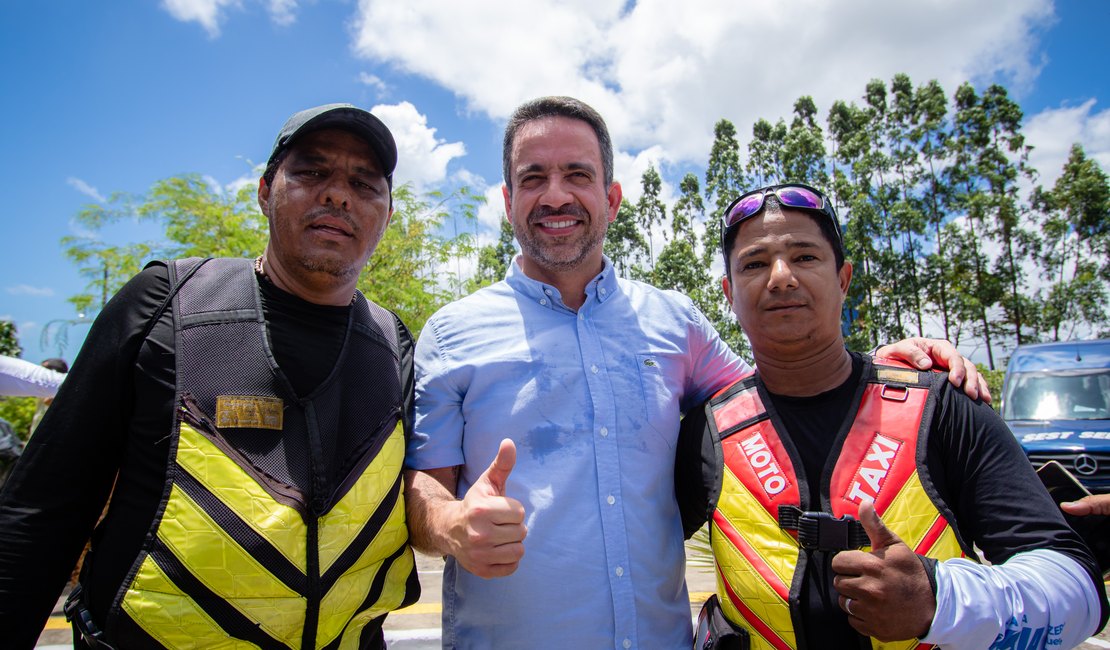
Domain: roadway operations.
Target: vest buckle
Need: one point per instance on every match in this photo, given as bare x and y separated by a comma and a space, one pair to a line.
821, 531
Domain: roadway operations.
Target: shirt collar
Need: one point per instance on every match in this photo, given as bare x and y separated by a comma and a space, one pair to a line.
602, 287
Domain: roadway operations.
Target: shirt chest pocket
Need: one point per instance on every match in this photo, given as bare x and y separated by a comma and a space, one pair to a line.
660, 381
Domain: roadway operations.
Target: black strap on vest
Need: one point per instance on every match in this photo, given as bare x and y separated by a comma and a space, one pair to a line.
823, 532
78, 614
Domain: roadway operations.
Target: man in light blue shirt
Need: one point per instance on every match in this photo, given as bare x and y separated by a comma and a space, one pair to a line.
585, 375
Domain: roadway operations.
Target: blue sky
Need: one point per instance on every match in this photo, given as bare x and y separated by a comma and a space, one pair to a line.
103, 97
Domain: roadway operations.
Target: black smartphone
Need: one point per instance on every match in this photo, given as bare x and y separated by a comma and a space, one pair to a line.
1094, 529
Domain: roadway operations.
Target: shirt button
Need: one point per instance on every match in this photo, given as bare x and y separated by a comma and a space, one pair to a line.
547, 291
602, 290
620, 571
610, 499
594, 369
627, 643
604, 432
543, 301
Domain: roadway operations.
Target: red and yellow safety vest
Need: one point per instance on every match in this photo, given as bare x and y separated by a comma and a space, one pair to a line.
880, 457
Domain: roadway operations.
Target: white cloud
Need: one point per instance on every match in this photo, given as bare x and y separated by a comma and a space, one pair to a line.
1053, 131
662, 73
374, 81
28, 290
422, 158
86, 189
282, 12
210, 13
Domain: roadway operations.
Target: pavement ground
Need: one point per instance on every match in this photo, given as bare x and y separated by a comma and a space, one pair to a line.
417, 627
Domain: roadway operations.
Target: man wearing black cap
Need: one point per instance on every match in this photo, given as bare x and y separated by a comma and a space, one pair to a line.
252, 415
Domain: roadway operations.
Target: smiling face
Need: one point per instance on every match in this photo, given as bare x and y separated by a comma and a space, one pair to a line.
783, 284
328, 207
559, 207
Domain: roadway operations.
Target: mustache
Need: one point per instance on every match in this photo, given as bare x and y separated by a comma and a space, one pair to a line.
334, 212
569, 210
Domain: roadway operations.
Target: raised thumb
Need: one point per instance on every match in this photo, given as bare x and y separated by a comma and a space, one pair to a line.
498, 473
880, 536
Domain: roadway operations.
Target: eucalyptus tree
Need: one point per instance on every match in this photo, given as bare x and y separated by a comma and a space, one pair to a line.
724, 180
650, 210
974, 293
688, 212
1074, 237
1002, 162
765, 152
931, 134
625, 245
803, 150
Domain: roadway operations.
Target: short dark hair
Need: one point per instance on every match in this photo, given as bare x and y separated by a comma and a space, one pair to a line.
272, 166
56, 364
557, 106
771, 203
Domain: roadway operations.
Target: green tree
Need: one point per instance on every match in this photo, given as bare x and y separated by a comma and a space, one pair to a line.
724, 178
405, 273
18, 411
977, 294
1077, 215
494, 259
650, 210
803, 151
765, 152
688, 210
625, 245
9, 339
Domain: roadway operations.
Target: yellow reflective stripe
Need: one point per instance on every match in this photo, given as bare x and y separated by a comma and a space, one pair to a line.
947, 546
390, 600
908, 644
226, 568
350, 590
164, 612
911, 515
278, 523
339, 526
775, 548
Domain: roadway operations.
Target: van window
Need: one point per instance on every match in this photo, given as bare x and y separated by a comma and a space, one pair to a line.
1058, 394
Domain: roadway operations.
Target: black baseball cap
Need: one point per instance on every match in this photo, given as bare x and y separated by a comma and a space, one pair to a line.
341, 116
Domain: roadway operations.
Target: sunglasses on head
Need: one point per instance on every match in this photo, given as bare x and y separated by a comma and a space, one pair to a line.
791, 195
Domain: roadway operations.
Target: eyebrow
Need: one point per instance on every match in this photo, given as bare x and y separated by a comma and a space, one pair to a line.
314, 157
759, 250
572, 166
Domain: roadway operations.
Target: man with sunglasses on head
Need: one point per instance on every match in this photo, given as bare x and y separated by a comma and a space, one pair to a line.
586, 374
845, 493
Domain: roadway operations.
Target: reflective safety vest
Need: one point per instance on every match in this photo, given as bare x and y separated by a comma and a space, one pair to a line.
881, 457
282, 522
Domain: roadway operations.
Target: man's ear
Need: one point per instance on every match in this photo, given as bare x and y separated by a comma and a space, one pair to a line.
508, 202
726, 286
264, 196
614, 196
845, 277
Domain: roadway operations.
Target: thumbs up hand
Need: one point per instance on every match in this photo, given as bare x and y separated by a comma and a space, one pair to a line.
886, 591
488, 533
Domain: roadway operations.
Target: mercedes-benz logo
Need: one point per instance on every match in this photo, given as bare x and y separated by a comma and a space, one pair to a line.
1085, 465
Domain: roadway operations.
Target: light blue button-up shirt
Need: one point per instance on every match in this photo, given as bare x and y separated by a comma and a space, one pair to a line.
592, 400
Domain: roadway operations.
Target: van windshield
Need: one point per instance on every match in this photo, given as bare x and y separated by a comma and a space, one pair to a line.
1059, 394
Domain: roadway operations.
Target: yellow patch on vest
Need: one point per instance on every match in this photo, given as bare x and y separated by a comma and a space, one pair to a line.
896, 375
247, 411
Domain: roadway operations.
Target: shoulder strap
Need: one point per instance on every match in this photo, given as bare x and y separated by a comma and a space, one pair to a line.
193, 265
